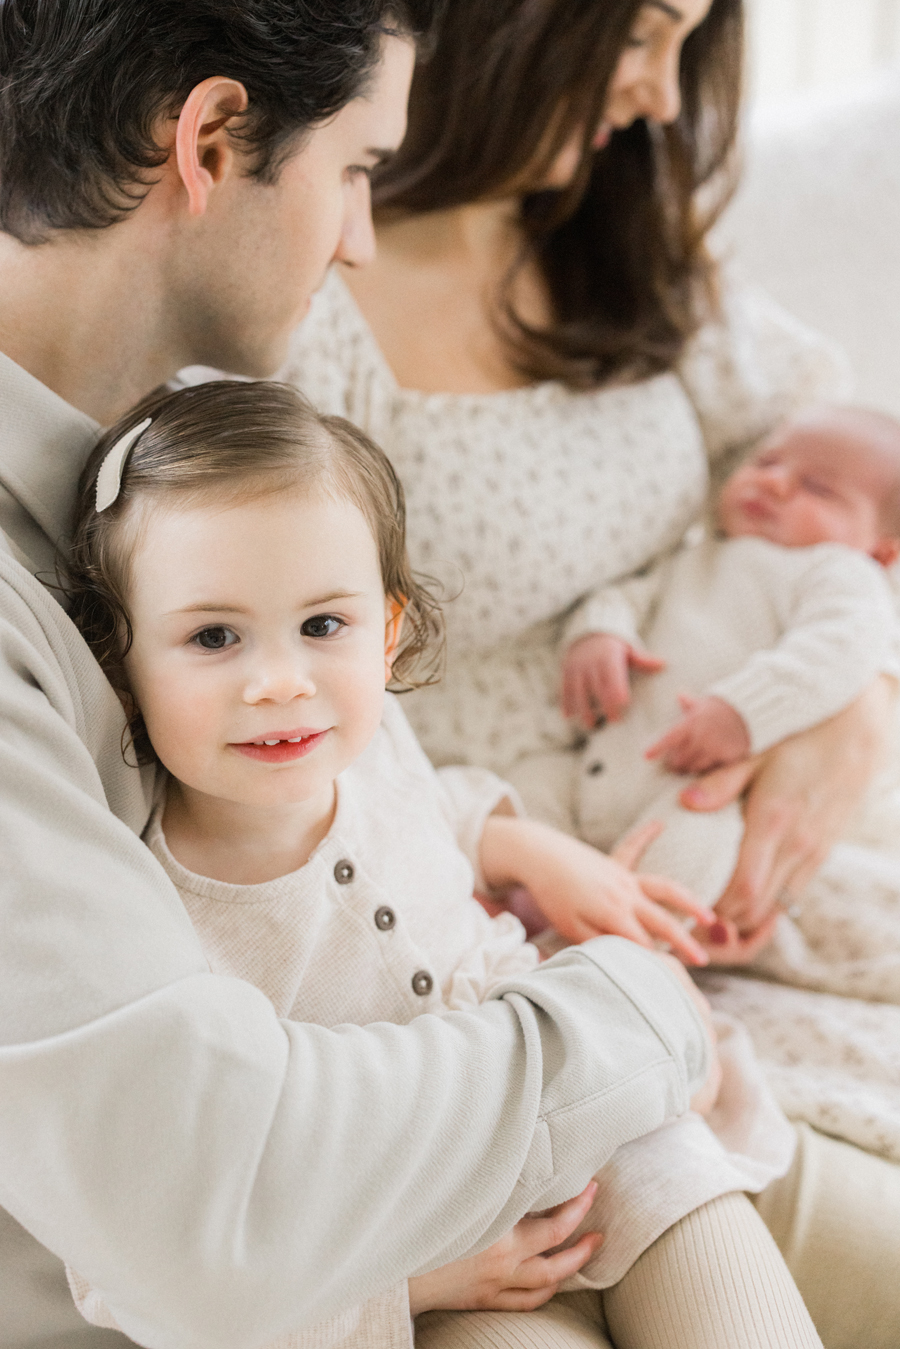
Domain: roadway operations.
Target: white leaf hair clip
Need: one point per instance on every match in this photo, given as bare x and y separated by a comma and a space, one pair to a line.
109, 479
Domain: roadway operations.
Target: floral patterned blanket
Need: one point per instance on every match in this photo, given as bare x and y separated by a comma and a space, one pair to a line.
823, 1002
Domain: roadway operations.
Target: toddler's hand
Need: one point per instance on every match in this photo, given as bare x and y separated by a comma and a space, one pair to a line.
710, 735
595, 677
584, 893
513, 1275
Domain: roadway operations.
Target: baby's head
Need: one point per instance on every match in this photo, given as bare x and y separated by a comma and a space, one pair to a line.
831, 475
245, 581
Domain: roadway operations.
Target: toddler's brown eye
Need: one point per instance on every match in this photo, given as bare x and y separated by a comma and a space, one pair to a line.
215, 639
323, 625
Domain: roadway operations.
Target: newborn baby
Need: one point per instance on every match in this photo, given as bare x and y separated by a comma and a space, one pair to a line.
772, 625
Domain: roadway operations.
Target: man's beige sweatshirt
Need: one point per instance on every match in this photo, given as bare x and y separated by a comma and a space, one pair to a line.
218, 1173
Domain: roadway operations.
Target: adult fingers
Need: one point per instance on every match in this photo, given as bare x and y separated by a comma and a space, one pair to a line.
541, 1270
519, 1299
772, 850
538, 1233
630, 849
728, 947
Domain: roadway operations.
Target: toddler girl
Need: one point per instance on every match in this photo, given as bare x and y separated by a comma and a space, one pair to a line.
239, 568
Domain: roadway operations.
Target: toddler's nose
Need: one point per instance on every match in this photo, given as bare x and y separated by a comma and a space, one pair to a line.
279, 678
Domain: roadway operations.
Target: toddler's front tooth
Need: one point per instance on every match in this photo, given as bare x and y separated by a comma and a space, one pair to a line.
296, 740
271, 742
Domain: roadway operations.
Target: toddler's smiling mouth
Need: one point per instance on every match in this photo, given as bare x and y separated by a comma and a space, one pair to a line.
281, 746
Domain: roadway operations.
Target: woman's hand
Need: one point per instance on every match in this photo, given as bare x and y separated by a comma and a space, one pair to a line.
514, 1274
595, 677
584, 893
802, 793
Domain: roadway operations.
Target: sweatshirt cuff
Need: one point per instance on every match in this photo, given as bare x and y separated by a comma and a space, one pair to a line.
613, 617
662, 1000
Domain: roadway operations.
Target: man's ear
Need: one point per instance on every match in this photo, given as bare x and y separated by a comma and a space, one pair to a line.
203, 150
886, 551
394, 614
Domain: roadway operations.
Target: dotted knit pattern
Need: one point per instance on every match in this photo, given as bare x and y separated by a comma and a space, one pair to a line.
522, 502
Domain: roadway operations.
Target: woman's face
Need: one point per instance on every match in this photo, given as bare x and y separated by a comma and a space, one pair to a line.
646, 82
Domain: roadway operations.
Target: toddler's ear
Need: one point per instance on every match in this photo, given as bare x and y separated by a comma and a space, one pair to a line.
393, 627
886, 551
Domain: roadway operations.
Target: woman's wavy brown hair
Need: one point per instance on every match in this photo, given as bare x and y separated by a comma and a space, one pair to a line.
225, 441
622, 250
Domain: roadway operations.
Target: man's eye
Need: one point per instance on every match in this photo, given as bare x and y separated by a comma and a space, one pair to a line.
214, 639
323, 625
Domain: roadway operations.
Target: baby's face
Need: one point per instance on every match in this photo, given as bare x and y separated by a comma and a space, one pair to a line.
809, 483
253, 623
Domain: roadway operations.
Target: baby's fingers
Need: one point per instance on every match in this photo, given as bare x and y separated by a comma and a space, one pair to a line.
672, 743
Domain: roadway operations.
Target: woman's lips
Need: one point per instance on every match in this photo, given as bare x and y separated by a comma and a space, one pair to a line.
280, 746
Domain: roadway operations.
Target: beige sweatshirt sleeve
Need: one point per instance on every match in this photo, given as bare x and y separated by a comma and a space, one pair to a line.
218, 1175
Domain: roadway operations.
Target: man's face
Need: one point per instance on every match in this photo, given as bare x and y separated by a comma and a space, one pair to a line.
245, 275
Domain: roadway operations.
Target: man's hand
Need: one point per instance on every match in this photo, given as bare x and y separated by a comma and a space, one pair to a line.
710, 735
514, 1274
595, 677
584, 893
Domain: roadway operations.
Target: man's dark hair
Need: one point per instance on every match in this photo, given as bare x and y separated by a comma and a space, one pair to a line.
82, 83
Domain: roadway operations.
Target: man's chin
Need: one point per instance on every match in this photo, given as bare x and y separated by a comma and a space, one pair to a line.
260, 359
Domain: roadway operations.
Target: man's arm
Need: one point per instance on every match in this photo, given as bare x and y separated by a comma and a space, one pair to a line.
217, 1174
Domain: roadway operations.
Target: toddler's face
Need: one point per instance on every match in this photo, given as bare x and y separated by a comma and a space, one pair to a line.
259, 622
809, 483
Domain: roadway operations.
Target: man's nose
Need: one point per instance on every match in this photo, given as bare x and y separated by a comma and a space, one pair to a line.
356, 247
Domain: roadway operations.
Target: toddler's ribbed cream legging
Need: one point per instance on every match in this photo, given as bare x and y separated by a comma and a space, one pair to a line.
714, 1281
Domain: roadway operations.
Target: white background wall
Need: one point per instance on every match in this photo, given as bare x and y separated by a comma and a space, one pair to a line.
819, 46
817, 221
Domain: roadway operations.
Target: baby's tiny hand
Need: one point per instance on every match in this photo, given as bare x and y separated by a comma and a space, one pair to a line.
595, 677
711, 734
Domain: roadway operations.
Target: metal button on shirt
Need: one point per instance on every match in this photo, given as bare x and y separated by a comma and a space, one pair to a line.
343, 872
422, 983
385, 918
